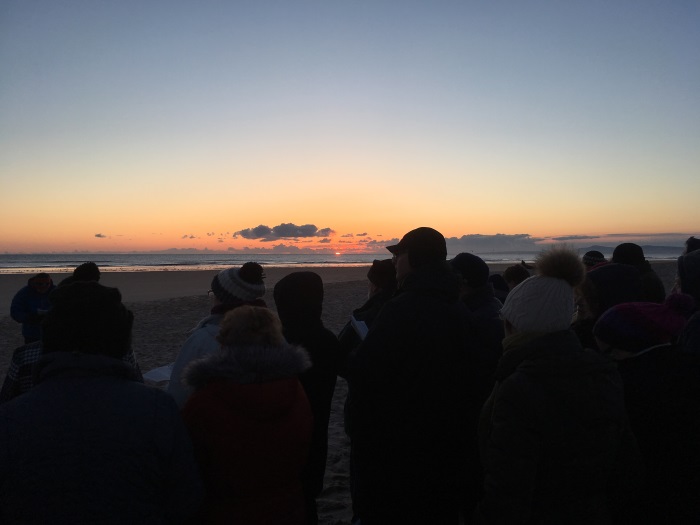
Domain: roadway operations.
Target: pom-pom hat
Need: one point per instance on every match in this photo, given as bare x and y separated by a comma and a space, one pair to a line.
239, 284
545, 302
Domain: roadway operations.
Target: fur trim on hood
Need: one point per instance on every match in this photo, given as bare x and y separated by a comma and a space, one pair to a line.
248, 364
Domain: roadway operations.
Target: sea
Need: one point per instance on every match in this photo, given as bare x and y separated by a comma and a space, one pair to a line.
138, 262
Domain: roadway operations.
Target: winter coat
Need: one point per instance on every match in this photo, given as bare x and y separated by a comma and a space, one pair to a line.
662, 396
88, 444
25, 308
319, 384
201, 343
550, 432
484, 314
690, 337
410, 384
367, 313
250, 424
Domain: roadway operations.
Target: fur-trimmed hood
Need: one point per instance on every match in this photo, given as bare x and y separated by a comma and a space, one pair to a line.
248, 364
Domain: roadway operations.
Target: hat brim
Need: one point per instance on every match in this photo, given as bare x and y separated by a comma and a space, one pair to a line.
395, 249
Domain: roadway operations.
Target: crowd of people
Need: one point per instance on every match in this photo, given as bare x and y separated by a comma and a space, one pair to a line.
561, 392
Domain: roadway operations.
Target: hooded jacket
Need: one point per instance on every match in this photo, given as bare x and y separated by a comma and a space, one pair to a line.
250, 424
25, 308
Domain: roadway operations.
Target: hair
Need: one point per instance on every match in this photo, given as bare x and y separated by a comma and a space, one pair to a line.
692, 244
516, 273
89, 318
561, 263
250, 325
87, 271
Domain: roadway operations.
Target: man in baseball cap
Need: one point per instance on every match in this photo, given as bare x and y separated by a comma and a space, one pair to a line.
407, 403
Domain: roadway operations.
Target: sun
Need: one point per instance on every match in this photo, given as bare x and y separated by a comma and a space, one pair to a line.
337, 253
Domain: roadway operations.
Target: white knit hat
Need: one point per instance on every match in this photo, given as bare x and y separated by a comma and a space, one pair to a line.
545, 302
540, 304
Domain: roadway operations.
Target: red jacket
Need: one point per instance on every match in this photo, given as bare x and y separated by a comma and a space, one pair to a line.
250, 424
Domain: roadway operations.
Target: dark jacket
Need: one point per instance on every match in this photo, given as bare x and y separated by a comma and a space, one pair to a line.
550, 433
409, 386
484, 315
26, 308
367, 313
250, 424
662, 396
319, 385
88, 444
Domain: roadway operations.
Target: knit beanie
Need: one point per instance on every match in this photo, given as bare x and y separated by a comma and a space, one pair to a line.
545, 302
634, 327
593, 257
689, 274
383, 274
473, 270
239, 284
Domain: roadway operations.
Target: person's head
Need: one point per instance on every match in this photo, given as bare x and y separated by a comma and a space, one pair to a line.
545, 302
420, 247
689, 274
472, 271
593, 258
239, 285
691, 245
89, 318
250, 325
41, 283
515, 274
299, 297
382, 276
628, 253
87, 271
628, 328
608, 285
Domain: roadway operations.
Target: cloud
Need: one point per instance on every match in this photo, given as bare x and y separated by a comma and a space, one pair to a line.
362, 234
567, 238
347, 235
282, 231
100, 236
324, 241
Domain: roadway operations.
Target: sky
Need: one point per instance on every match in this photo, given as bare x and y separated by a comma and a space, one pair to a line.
341, 125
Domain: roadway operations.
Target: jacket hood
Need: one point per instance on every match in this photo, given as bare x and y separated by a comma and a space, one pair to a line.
248, 364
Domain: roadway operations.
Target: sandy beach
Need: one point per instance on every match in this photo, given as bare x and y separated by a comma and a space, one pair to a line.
167, 305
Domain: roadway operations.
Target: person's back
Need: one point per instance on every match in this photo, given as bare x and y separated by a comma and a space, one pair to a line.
230, 289
90, 444
653, 289
250, 422
407, 383
662, 394
299, 299
551, 429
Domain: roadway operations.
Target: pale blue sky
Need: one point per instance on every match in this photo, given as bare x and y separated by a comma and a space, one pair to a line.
546, 118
